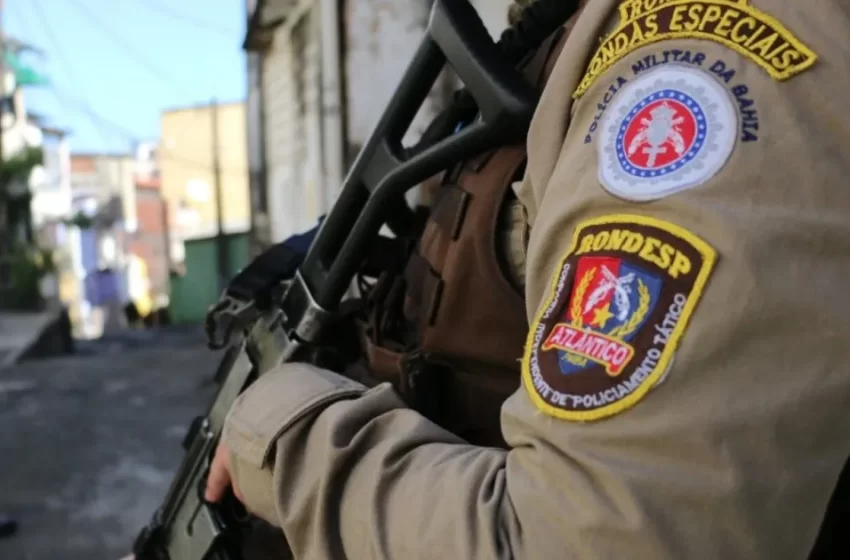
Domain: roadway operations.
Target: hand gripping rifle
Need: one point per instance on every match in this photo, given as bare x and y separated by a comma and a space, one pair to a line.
186, 527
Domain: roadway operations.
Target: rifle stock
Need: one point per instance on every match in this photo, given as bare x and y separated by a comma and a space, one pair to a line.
188, 528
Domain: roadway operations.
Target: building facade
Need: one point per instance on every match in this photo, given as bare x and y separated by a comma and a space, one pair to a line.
103, 207
103, 191
286, 126
320, 73
150, 242
51, 189
203, 174
192, 162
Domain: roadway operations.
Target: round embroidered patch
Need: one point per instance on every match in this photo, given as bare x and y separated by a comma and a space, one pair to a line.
669, 130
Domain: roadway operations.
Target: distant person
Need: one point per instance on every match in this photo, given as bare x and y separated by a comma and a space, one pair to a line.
138, 295
131, 313
67, 331
8, 526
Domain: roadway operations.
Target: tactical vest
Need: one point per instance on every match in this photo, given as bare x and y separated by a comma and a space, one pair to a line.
448, 331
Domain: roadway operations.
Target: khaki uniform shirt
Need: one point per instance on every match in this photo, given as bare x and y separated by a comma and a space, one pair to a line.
685, 383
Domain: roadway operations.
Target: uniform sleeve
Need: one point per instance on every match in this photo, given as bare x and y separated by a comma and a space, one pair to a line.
685, 376
351, 473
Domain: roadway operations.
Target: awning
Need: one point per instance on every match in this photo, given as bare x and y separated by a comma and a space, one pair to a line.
24, 74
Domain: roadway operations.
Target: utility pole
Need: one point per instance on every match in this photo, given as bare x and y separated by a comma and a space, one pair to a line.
2, 90
5, 265
220, 239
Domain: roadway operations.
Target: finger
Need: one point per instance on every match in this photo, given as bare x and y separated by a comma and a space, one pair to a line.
237, 492
219, 477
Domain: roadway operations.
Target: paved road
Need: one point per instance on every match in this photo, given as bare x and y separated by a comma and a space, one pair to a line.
88, 444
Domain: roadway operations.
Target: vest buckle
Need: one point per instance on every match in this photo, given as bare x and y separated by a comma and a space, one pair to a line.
423, 383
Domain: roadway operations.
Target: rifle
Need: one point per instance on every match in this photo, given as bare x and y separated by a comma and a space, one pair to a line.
307, 306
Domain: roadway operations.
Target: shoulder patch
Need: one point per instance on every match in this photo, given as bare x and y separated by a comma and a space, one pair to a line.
670, 129
733, 23
616, 310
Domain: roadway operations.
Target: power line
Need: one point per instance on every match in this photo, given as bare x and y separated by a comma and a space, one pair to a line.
63, 61
84, 107
165, 9
118, 40
96, 119
124, 131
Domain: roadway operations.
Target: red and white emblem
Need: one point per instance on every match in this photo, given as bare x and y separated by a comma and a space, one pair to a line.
669, 130
660, 134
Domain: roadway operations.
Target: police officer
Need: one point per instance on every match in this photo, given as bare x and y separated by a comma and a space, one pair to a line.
684, 378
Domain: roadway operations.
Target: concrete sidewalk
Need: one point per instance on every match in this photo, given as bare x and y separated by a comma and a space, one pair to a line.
21, 331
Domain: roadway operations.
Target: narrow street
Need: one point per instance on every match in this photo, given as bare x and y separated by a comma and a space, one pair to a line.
89, 443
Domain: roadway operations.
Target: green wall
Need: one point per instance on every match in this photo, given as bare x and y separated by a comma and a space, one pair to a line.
193, 293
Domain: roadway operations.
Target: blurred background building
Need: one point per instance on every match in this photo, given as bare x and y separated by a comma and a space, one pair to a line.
320, 73
204, 182
164, 225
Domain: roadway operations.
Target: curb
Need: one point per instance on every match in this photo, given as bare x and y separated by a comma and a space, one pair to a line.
30, 349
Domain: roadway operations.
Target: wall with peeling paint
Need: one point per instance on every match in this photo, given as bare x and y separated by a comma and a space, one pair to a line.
292, 111
494, 13
282, 125
381, 38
